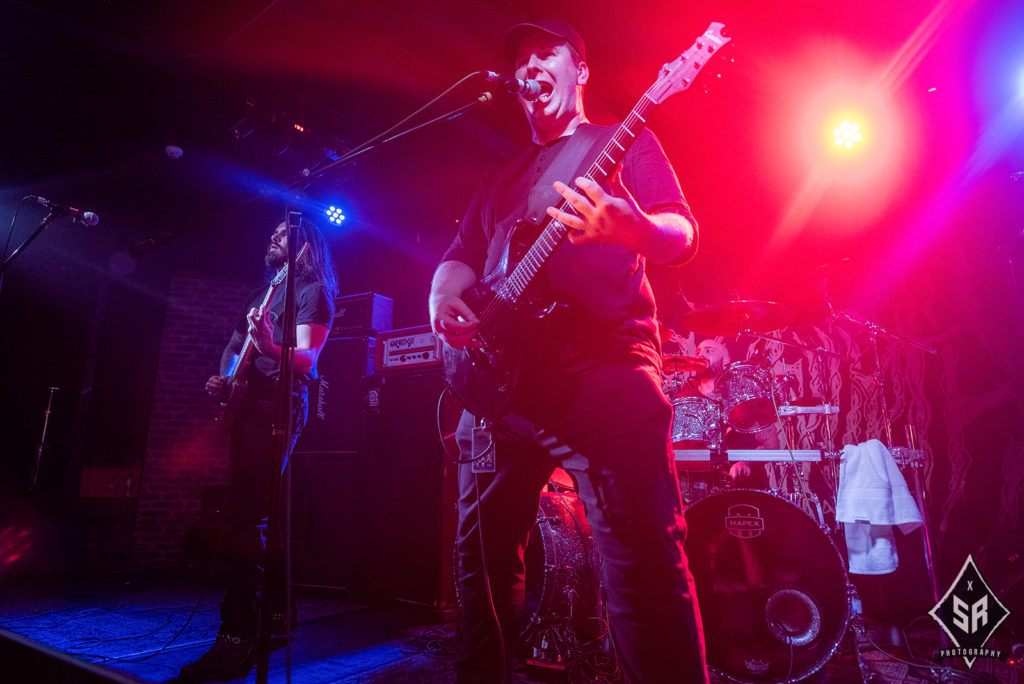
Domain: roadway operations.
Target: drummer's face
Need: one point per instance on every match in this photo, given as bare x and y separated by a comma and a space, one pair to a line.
716, 354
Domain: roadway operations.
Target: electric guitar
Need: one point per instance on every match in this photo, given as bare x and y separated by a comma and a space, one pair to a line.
238, 371
483, 375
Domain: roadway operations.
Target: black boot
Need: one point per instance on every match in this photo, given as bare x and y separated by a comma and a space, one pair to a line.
229, 658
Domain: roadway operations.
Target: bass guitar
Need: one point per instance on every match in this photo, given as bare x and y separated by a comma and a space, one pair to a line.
483, 375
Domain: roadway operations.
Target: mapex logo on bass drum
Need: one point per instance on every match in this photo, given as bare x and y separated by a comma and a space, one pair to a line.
744, 521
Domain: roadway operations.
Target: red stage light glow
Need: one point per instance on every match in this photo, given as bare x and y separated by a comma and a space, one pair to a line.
14, 542
845, 190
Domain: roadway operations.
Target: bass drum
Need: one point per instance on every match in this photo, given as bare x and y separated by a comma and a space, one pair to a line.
562, 585
770, 583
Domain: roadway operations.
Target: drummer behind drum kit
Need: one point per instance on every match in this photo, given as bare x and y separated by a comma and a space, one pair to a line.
771, 583
774, 593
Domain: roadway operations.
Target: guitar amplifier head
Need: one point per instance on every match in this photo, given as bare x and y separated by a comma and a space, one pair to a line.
408, 349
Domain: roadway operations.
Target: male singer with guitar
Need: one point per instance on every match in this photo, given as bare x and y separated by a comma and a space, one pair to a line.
249, 395
587, 388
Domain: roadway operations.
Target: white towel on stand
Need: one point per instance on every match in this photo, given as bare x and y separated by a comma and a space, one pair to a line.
873, 496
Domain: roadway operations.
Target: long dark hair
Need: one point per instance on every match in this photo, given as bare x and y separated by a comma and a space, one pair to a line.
317, 264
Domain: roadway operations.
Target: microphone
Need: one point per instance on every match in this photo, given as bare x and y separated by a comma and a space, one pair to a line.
528, 89
86, 218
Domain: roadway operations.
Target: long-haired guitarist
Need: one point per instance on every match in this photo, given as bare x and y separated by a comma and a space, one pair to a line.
246, 389
583, 391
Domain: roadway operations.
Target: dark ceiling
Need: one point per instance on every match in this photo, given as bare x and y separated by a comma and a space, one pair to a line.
94, 91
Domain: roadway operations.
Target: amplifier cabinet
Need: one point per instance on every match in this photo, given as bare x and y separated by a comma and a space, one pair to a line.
336, 398
367, 313
411, 494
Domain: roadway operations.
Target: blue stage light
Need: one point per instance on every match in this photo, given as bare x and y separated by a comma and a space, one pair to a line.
335, 215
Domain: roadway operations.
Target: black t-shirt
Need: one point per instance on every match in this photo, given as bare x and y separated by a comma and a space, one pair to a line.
608, 304
313, 306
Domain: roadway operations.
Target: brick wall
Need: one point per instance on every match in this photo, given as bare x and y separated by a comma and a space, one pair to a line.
183, 450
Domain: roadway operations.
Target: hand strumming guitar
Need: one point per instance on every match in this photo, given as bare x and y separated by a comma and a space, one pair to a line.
450, 317
217, 387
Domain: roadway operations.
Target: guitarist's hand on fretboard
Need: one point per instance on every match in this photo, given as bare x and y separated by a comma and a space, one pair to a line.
217, 387
600, 217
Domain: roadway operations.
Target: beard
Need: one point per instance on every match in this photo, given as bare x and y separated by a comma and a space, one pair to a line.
275, 258
712, 371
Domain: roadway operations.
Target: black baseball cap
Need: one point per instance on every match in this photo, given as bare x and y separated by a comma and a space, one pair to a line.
559, 29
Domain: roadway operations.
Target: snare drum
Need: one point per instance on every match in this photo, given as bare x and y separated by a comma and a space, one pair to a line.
746, 392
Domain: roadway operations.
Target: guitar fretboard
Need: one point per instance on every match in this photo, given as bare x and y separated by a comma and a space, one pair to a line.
554, 231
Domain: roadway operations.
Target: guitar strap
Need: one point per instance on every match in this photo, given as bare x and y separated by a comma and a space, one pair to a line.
575, 157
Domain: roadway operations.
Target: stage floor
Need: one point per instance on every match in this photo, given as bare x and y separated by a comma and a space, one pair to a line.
147, 626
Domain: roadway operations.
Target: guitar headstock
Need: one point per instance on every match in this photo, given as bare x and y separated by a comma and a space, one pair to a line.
678, 75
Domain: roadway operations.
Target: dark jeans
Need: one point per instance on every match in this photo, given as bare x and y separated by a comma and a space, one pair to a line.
246, 507
609, 428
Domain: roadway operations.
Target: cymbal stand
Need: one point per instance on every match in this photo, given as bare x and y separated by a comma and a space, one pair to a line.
819, 354
877, 331
919, 494
797, 345
878, 378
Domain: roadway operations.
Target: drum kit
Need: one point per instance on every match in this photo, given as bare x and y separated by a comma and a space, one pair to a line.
773, 588
746, 396
771, 582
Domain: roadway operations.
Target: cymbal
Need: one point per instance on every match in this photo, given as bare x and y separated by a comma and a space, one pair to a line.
825, 270
732, 318
673, 363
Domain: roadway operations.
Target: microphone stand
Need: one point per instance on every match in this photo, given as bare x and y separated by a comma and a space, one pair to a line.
42, 440
283, 428
371, 145
165, 237
47, 220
